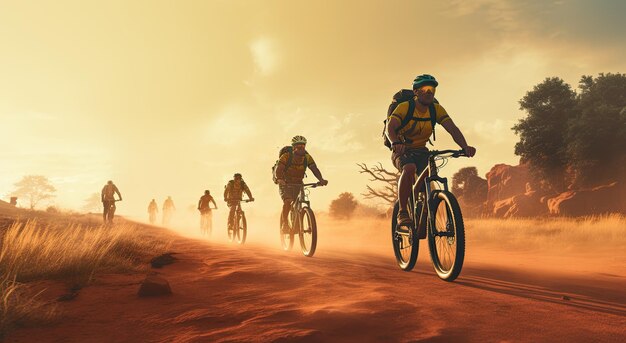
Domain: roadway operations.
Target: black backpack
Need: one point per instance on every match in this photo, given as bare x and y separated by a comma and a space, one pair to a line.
407, 95
284, 150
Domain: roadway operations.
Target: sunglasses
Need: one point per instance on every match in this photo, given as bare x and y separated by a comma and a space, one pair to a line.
298, 147
426, 89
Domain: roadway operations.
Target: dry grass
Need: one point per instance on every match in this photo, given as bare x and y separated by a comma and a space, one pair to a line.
18, 307
55, 251
563, 234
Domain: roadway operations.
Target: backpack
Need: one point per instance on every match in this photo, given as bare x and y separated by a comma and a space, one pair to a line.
407, 95
284, 150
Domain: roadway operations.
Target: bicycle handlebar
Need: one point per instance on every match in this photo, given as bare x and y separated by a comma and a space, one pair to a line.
455, 153
312, 185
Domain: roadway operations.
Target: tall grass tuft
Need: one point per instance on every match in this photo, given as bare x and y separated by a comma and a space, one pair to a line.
33, 252
18, 307
73, 254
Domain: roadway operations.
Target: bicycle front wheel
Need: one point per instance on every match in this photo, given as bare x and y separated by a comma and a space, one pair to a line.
233, 228
243, 229
308, 232
447, 239
405, 246
286, 238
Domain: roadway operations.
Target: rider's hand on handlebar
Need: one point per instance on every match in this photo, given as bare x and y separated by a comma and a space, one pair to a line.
323, 182
281, 182
398, 148
251, 199
470, 151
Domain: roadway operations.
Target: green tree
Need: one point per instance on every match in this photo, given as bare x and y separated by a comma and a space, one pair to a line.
467, 184
543, 132
35, 188
343, 207
596, 138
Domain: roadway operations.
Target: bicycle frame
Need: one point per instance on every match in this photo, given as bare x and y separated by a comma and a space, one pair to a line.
301, 201
429, 174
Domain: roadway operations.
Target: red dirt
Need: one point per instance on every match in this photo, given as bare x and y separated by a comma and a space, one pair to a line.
259, 293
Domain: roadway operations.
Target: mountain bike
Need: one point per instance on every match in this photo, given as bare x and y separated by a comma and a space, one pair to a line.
109, 211
206, 220
238, 227
301, 221
435, 215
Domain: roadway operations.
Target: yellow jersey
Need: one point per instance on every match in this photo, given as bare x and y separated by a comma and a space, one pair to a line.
296, 170
417, 132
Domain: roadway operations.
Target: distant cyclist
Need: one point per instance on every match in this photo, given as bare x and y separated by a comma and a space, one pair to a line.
290, 173
153, 209
233, 194
409, 142
204, 206
168, 210
108, 201
204, 202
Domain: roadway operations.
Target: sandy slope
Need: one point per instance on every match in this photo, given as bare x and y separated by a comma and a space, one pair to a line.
259, 293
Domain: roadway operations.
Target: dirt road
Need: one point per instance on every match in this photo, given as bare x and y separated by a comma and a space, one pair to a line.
258, 293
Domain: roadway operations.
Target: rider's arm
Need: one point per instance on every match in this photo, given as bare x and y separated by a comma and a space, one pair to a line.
199, 203
213, 201
102, 194
316, 172
226, 191
458, 137
392, 129
247, 190
118, 192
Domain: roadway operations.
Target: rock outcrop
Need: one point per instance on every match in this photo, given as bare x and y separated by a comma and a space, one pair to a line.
598, 200
154, 286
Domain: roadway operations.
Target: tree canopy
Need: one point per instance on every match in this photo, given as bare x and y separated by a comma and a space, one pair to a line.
574, 139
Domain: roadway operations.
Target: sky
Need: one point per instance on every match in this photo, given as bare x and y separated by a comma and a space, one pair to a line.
172, 98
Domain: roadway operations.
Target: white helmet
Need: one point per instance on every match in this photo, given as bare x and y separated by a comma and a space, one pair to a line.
298, 140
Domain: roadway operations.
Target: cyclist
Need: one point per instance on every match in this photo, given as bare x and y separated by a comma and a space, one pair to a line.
153, 209
290, 173
108, 200
233, 193
409, 144
205, 200
168, 210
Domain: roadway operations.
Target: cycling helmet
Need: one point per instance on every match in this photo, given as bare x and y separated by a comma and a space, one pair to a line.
237, 175
423, 80
207, 192
298, 140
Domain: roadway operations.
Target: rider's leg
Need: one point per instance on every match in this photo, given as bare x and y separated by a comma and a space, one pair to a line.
231, 213
105, 211
111, 212
286, 207
405, 185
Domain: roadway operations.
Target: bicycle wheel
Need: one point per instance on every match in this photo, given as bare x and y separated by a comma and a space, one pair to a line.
233, 228
446, 241
405, 246
308, 232
286, 238
243, 229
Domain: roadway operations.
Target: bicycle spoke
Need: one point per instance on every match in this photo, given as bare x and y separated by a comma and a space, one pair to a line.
446, 247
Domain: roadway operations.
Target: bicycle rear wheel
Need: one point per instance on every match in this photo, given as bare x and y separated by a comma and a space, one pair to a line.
405, 246
446, 241
308, 232
243, 229
286, 238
